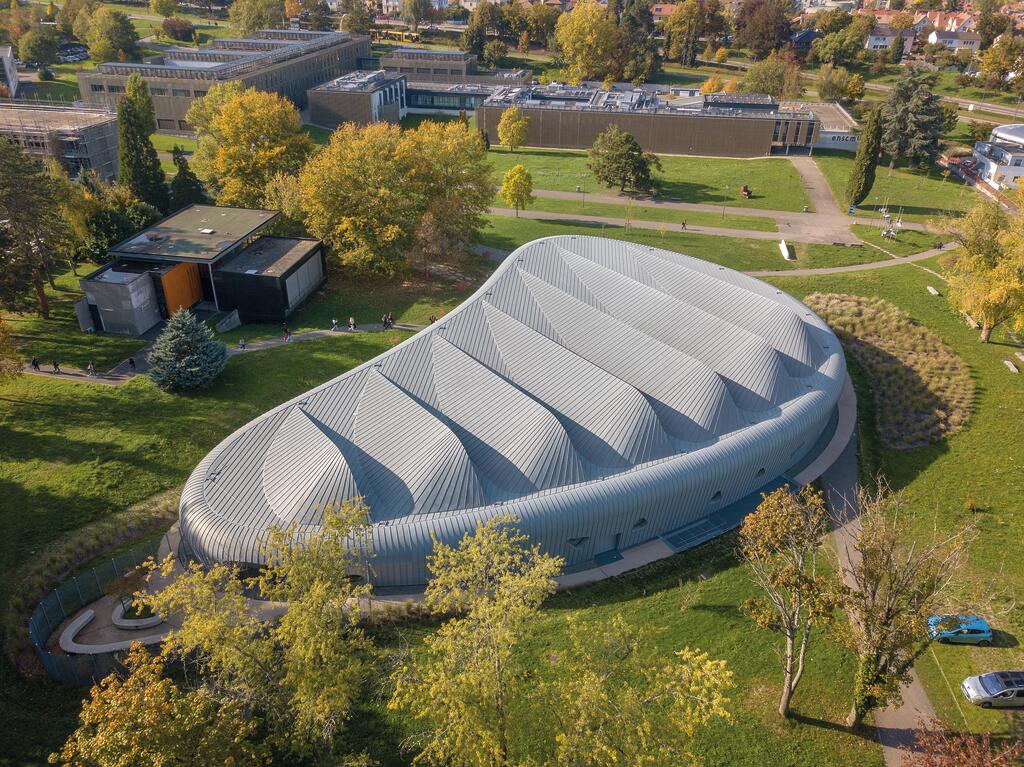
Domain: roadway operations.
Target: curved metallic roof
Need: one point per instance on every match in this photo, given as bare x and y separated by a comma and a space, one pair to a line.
580, 359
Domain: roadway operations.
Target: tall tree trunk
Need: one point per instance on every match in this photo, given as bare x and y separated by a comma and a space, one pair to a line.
787, 681
986, 332
42, 302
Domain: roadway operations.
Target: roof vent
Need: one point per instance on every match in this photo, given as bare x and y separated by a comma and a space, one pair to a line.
206, 231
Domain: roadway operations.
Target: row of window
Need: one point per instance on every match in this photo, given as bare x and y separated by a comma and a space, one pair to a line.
179, 92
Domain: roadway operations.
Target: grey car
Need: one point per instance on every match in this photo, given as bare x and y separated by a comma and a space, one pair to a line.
998, 689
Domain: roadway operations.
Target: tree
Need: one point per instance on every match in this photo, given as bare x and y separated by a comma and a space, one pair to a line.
30, 232
39, 44
832, 82
775, 76
517, 188
186, 355
781, 543
110, 35
855, 87
68, 13
460, 691
165, 8
936, 746
712, 85
991, 23
283, 194
862, 176
144, 718
978, 131
895, 582
763, 26
616, 159
1002, 59
474, 38
722, 55
683, 28
512, 128
10, 360
912, 120
248, 16
355, 17
588, 41
842, 46
834, 20
950, 117
987, 276
732, 85
541, 21
414, 11
618, 702
138, 165
495, 53
252, 136
186, 188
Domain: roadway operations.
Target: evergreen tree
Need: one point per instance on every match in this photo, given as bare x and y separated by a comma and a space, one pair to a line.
186, 189
139, 166
186, 355
862, 177
616, 159
912, 120
896, 49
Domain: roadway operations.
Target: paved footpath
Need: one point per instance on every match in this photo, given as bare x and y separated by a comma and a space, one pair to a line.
870, 266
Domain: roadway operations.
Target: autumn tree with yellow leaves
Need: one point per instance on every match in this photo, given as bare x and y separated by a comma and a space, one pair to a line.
517, 187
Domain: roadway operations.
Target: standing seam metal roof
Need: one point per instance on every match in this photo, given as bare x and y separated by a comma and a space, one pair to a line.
580, 360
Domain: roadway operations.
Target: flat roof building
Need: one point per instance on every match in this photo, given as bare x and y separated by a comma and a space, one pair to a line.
202, 254
79, 138
999, 161
361, 97
432, 65
666, 120
8, 72
608, 395
284, 61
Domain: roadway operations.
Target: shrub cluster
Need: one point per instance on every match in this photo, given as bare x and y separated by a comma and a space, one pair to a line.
922, 389
178, 29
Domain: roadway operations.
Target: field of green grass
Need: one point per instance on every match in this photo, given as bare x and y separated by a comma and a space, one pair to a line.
506, 233
922, 195
906, 243
631, 211
774, 182
984, 461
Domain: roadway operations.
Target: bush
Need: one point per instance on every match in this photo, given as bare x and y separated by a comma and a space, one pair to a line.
46, 75
922, 389
178, 29
186, 355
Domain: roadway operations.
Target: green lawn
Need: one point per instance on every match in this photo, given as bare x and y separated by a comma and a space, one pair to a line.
985, 460
319, 135
415, 120
923, 196
906, 243
64, 86
508, 233
71, 453
774, 182
164, 143
59, 337
638, 212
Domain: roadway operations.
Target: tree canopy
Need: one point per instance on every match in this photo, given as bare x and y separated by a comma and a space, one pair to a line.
517, 187
138, 165
776, 76
186, 355
248, 16
616, 159
912, 120
588, 42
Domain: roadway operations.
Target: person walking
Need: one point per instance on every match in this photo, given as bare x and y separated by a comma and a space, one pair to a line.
682, 226
90, 369
285, 334
56, 368
241, 343
351, 323
334, 324
35, 364
391, 319
131, 364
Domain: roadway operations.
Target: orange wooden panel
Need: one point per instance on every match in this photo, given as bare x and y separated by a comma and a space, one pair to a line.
182, 287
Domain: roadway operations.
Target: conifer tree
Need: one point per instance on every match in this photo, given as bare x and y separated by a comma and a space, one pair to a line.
862, 177
139, 166
186, 189
912, 120
186, 355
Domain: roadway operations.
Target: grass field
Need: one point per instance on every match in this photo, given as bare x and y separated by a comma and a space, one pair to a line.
638, 212
507, 233
906, 243
984, 461
923, 196
774, 182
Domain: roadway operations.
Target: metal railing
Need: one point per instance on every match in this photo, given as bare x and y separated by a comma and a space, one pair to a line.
70, 597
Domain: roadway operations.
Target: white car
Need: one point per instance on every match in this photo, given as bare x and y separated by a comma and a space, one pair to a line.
998, 689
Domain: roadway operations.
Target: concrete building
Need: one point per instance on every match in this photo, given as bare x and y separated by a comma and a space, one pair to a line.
287, 62
8, 72
608, 395
882, 36
80, 138
665, 120
999, 162
201, 255
956, 41
837, 128
360, 97
421, 65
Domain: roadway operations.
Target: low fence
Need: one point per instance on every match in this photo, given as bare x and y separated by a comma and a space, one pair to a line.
70, 597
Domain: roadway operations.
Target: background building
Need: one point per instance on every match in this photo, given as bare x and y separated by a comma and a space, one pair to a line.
670, 121
360, 97
606, 394
423, 65
79, 138
201, 255
999, 162
287, 62
8, 72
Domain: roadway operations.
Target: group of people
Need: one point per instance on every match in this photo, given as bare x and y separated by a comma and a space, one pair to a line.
351, 324
90, 367
387, 321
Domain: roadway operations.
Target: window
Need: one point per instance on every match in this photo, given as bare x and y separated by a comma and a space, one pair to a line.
116, 89
199, 94
97, 88
158, 91
182, 125
165, 124
180, 92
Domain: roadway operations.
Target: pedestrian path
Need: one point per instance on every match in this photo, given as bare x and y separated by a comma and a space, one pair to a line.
856, 267
816, 186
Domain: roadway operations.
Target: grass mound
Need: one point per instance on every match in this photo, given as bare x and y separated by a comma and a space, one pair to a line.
923, 391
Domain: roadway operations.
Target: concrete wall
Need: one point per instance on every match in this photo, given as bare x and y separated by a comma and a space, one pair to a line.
329, 109
127, 309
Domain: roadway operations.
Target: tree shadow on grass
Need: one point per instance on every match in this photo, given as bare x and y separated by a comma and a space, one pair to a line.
867, 732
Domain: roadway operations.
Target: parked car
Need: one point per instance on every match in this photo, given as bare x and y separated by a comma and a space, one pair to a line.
960, 629
998, 689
